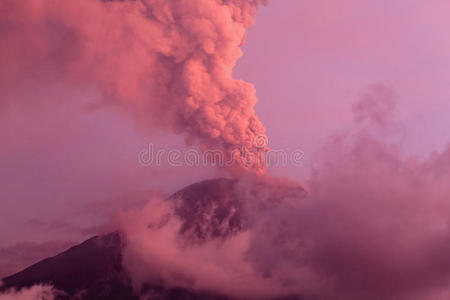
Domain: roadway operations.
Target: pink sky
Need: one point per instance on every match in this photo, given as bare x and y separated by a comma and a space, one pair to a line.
309, 61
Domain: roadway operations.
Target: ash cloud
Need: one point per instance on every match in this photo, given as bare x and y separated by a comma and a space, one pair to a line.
168, 63
371, 224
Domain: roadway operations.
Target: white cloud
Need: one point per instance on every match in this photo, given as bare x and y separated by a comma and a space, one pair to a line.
36, 292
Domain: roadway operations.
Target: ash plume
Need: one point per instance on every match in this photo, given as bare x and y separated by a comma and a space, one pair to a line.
169, 63
371, 223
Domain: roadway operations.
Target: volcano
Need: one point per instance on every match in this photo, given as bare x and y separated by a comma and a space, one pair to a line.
211, 209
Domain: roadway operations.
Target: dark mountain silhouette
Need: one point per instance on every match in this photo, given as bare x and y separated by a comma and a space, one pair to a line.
93, 269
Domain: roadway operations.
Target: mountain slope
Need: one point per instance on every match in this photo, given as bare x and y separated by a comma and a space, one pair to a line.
93, 269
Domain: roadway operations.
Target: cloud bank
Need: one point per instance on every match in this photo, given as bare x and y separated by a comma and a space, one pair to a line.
373, 225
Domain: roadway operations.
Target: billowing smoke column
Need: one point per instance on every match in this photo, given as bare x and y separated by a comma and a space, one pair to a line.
167, 62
